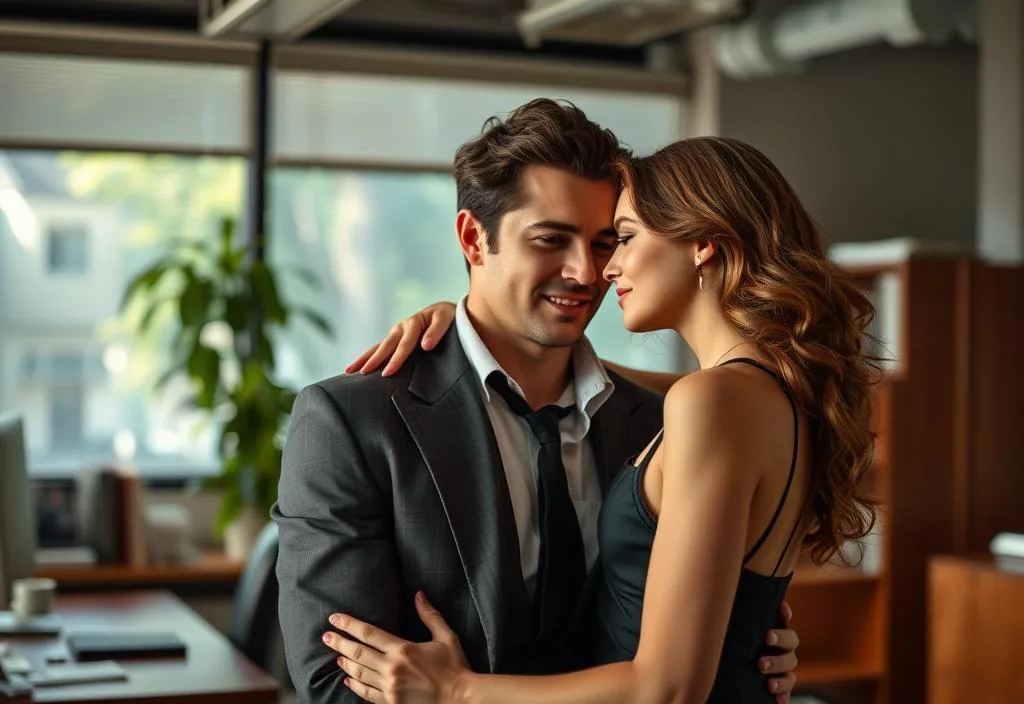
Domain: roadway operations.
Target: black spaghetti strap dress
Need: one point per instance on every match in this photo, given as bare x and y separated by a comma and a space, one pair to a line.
626, 535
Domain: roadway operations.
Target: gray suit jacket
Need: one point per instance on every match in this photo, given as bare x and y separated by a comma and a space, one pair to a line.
393, 485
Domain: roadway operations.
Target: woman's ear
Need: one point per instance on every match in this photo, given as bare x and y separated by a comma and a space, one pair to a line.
472, 238
704, 251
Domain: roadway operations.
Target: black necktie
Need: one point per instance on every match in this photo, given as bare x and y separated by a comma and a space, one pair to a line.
562, 569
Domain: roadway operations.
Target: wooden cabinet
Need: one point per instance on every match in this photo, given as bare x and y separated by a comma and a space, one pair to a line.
975, 632
949, 415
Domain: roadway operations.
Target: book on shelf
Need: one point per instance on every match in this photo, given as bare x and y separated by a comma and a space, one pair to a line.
1008, 551
1008, 545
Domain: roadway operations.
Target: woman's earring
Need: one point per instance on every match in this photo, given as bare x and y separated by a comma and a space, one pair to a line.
700, 275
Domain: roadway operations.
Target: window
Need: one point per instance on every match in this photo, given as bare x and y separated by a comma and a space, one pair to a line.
418, 122
29, 365
98, 101
103, 217
380, 243
67, 406
376, 226
67, 249
67, 361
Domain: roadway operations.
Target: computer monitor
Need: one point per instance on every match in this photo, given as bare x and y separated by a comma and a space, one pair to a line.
17, 513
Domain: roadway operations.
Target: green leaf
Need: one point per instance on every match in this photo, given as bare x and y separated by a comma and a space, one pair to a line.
316, 320
266, 289
196, 302
264, 352
236, 313
227, 238
152, 308
183, 344
172, 371
253, 378
204, 367
145, 281
184, 244
217, 482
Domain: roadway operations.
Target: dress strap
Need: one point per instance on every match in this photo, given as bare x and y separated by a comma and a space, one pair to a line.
650, 450
792, 465
792, 534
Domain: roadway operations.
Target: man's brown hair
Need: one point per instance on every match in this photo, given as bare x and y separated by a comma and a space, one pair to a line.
543, 132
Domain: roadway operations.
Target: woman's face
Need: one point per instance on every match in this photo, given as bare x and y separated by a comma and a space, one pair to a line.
655, 279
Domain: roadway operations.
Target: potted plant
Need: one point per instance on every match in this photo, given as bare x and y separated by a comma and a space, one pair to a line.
223, 294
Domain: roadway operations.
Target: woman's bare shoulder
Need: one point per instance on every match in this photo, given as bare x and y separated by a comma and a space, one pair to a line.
721, 405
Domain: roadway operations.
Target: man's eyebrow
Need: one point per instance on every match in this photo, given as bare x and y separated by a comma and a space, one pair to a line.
624, 218
556, 225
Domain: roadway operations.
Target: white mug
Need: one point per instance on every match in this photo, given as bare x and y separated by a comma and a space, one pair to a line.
32, 597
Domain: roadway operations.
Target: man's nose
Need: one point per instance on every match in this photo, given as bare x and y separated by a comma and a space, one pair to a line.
580, 266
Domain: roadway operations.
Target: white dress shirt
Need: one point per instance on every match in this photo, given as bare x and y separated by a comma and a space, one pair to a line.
518, 447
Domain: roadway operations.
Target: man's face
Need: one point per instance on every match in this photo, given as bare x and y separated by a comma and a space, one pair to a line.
544, 283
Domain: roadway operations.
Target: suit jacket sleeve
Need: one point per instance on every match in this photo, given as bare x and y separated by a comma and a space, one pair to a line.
337, 550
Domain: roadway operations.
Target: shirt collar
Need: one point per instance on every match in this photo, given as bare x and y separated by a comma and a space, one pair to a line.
589, 388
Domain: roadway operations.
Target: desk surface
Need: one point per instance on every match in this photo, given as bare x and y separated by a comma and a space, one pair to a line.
212, 671
211, 567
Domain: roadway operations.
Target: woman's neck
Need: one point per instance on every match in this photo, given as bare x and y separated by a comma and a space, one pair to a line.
711, 338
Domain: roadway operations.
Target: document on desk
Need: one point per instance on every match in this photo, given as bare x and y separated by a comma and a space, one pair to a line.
124, 645
78, 673
45, 625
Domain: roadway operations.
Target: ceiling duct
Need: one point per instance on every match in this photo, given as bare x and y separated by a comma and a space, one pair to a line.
622, 22
267, 19
780, 42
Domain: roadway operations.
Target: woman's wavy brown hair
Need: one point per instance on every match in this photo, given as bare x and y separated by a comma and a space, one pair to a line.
801, 312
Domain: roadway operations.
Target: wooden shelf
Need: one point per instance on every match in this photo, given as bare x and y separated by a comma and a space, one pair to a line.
211, 567
820, 674
830, 576
948, 443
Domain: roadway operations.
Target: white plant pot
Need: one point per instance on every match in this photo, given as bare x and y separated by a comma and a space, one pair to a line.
241, 533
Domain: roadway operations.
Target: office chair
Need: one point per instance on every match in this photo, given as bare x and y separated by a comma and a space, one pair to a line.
255, 629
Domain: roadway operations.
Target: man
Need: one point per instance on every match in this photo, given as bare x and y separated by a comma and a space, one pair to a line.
429, 479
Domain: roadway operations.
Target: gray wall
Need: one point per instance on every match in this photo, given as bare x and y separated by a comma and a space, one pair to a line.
879, 142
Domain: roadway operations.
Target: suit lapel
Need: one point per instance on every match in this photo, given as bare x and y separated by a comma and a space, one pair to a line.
623, 426
447, 420
612, 437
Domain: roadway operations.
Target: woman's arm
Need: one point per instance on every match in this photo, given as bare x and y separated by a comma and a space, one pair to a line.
425, 328
695, 566
658, 382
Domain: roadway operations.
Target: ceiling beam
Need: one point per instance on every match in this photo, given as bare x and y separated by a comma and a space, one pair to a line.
285, 20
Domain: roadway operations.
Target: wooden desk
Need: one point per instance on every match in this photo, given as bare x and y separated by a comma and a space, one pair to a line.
212, 671
211, 567
975, 632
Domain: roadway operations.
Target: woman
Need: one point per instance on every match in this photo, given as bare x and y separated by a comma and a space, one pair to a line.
762, 449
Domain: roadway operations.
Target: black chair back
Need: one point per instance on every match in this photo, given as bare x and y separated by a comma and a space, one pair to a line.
254, 622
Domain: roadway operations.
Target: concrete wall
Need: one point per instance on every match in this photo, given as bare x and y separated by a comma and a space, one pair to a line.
879, 142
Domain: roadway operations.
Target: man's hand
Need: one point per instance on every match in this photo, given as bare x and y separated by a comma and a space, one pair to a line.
780, 666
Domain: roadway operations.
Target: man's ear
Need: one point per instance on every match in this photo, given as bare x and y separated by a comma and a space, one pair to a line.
472, 238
